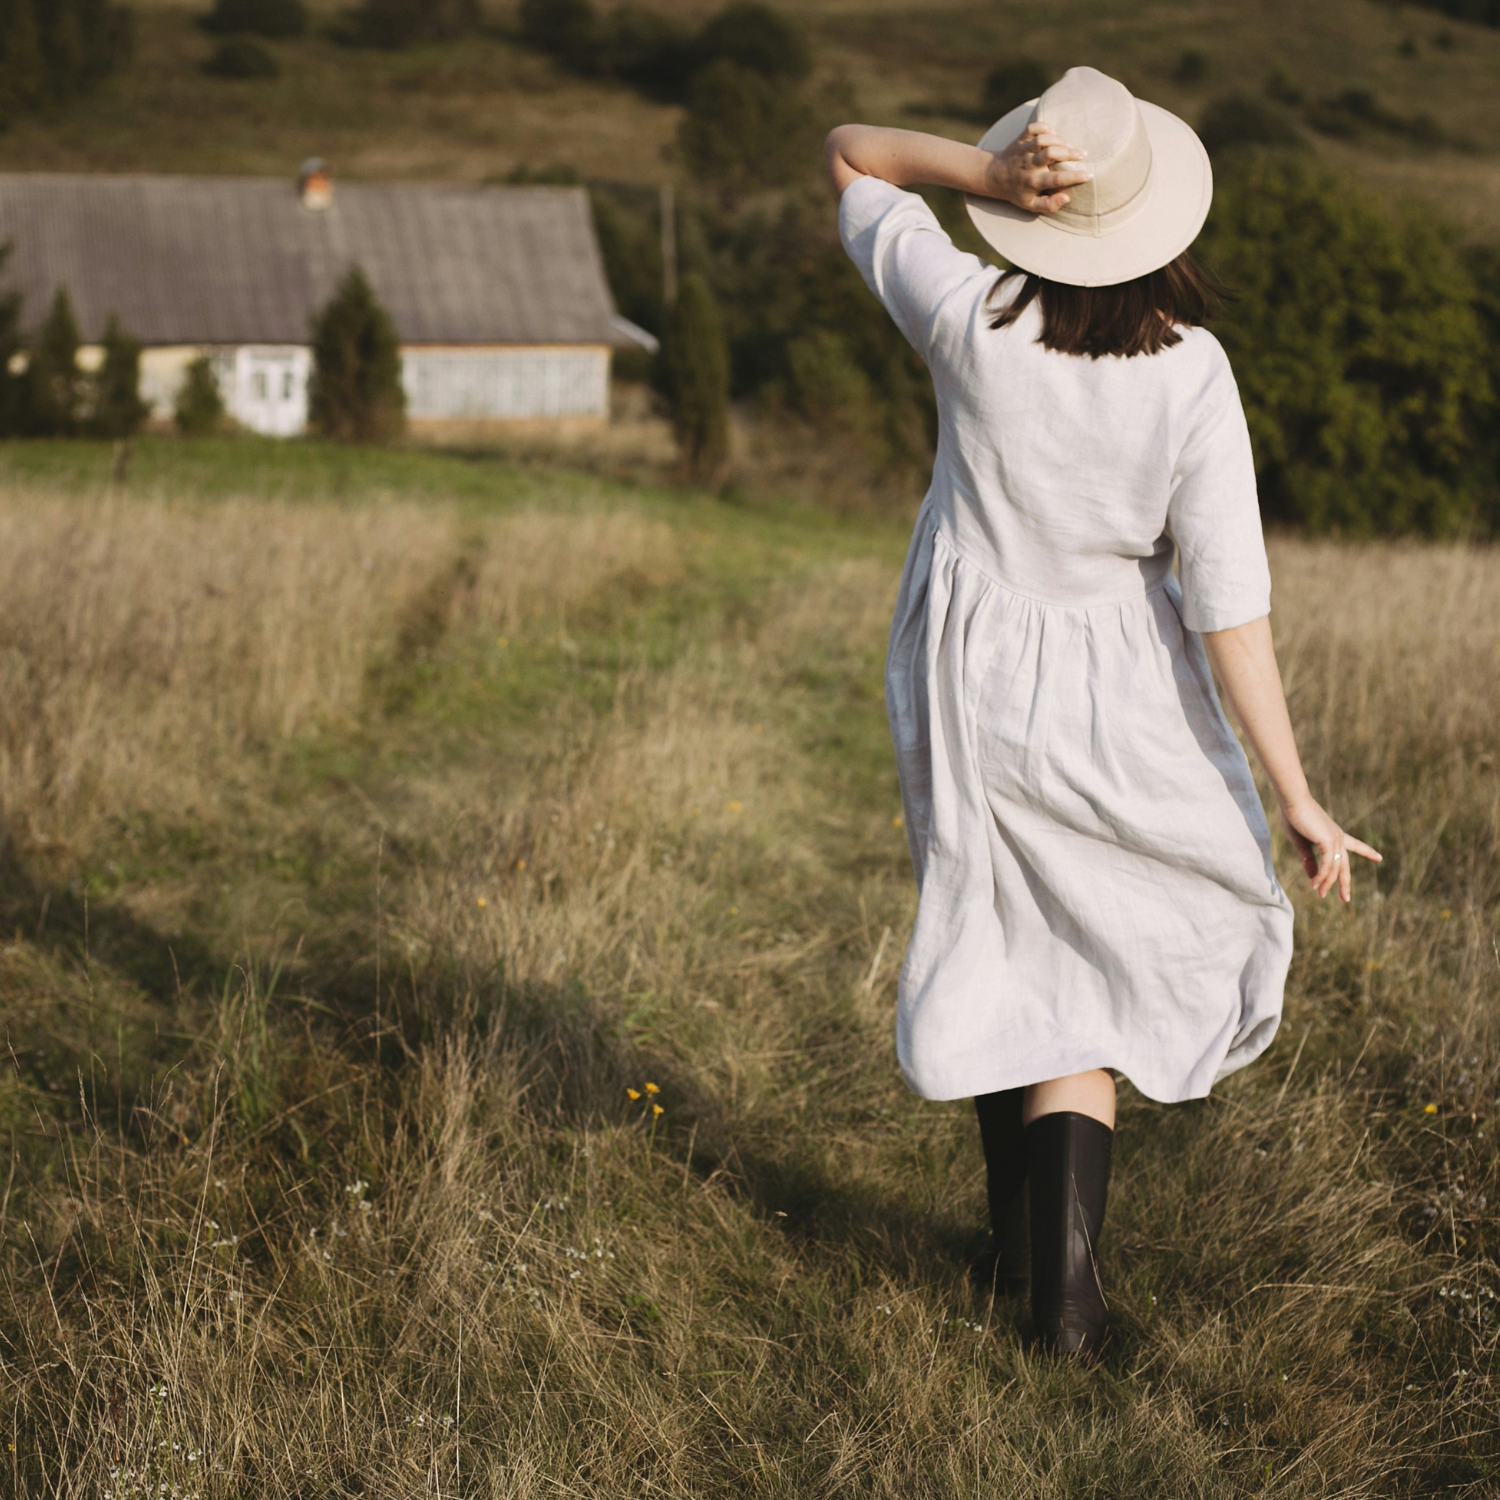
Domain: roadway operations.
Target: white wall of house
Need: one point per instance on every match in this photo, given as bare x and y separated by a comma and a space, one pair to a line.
265, 385
522, 383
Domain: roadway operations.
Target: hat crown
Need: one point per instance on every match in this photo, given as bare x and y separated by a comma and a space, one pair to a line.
1099, 115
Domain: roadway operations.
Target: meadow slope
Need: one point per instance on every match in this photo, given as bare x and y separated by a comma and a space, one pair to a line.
450, 923
482, 107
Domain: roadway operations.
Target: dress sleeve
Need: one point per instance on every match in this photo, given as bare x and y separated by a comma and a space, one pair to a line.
905, 256
1214, 512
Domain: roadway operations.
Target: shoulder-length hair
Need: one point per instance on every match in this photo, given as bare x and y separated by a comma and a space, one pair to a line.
1133, 317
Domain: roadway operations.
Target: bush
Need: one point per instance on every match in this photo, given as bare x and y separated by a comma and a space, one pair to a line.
564, 28
393, 24
199, 409
1013, 83
53, 384
1358, 349
697, 362
239, 57
757, 38
1481, 12
355, 394
114, 393
1191, 66
1239, 120
272, 18
744, 130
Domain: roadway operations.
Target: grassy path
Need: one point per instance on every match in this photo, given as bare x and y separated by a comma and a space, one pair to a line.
378, 827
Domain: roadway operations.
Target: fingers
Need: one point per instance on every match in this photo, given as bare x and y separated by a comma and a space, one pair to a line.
1364, 850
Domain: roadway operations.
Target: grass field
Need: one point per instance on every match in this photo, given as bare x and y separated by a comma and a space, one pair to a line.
374, 824
480, 108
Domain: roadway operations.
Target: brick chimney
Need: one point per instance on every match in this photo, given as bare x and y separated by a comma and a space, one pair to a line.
315, 184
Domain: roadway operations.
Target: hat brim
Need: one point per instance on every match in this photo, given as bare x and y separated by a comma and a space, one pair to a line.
1178, 193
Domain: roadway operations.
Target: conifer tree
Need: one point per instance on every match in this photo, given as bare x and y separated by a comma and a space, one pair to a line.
116, 409
355, 395
200, 404
53, 384
11, 386
697, 357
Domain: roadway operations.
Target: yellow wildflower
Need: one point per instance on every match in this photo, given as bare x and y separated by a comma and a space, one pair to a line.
656, 1109
633, 1094
898, 821
1445, 914
520, 864
481, 903
1429, 1109
734, 807
651, 1088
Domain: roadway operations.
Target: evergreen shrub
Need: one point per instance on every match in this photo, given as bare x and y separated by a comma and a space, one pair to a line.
199, 408
744, 130
54, 385
355, 394
270, 18
1012, 83
240, 58
394, 24
113, 395
697, 362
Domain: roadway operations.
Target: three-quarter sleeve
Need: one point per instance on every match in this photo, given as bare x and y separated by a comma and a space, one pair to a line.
905, 256
1214, 512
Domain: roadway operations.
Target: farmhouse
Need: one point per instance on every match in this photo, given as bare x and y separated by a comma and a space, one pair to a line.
498, 294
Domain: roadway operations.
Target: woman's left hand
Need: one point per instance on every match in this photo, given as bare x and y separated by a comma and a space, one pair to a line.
1036, 169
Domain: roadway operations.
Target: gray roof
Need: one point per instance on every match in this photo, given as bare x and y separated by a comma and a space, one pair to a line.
230, 260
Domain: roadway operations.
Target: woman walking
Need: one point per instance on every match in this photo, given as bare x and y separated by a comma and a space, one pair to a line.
1096, 887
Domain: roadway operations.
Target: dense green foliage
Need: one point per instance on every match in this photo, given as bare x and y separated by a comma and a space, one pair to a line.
239, 57
273, 18
745, 130
1484, 12
115, 408
1359, 352
1243, 120
199, 409
394, 24
697, 361
51, 50
53, 390
660, 55
1011, 83
355, 394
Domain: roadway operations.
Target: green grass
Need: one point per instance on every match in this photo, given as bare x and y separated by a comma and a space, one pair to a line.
374, 821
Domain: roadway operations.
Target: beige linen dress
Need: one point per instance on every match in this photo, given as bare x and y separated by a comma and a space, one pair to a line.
1096, 887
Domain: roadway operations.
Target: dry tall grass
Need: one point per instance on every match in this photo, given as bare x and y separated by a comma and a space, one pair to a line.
352, 899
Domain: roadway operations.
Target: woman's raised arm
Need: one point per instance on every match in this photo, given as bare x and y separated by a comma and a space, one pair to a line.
1245, 660
1031, 172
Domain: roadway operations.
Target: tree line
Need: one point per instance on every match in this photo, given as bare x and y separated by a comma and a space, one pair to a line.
47, 390
1365, 336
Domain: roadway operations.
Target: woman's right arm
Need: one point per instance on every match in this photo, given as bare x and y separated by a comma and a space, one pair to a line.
1031, 172
1245, 660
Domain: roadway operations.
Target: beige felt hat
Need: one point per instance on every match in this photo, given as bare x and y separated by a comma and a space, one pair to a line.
1148, 200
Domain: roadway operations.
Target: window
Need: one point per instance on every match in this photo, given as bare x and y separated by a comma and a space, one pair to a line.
258, 387
288, 386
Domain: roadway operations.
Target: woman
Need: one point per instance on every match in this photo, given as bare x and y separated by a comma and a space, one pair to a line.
1096, 886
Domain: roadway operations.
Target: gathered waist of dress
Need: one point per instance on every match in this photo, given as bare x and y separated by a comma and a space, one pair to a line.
1051, 576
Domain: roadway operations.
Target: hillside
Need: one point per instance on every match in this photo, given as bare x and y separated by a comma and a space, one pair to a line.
483, 107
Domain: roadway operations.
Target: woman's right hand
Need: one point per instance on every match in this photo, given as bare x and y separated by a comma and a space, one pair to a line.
1036, 169
1323, 846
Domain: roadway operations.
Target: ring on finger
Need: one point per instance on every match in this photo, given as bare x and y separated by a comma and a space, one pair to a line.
1337, 857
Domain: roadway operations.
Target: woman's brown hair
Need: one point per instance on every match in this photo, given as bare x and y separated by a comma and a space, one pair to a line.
1133, 317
